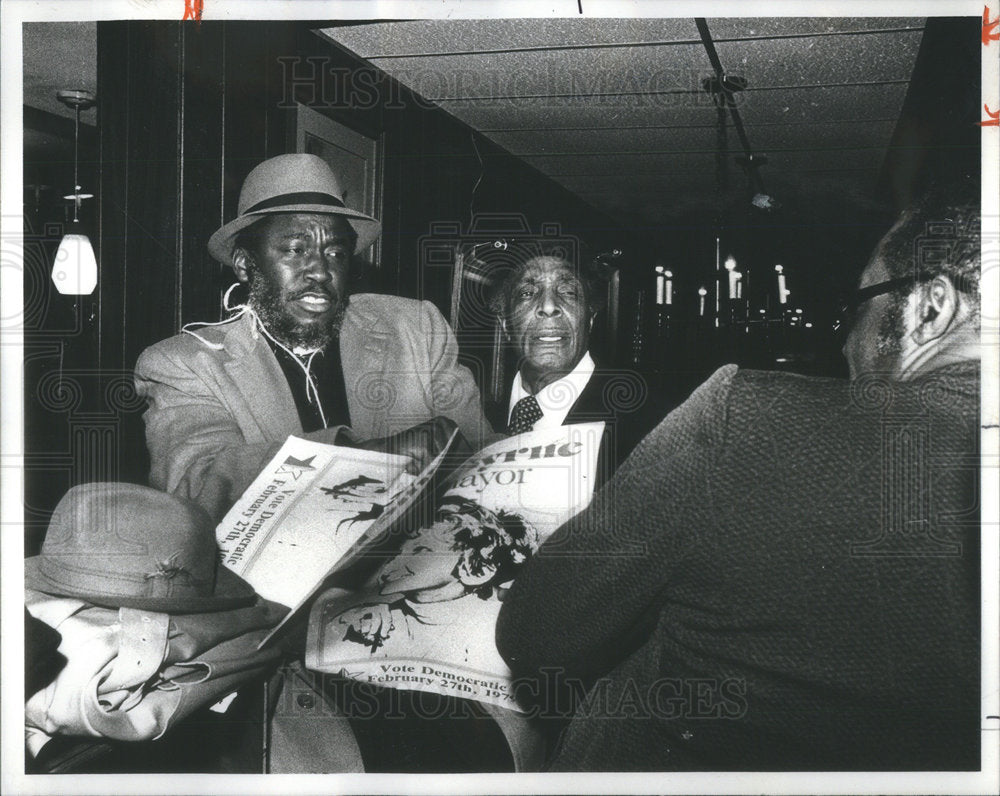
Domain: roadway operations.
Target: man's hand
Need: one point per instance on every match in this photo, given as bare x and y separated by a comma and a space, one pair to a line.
421, 442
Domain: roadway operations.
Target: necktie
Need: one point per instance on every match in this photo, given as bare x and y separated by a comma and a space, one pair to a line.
525, 414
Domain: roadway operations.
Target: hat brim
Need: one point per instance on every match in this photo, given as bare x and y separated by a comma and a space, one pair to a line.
231, 591
220, 245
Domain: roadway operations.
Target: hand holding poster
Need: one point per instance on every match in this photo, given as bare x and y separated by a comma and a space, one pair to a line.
426, 619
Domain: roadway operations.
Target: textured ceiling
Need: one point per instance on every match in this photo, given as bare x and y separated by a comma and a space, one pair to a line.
613, 109
57, 56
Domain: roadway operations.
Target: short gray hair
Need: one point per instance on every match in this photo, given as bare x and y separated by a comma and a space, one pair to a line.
591, 270
938, 235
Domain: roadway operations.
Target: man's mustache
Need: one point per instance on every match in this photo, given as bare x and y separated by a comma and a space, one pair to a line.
333, 295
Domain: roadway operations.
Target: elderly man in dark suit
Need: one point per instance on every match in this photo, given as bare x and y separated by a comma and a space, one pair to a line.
547, 303
785, 573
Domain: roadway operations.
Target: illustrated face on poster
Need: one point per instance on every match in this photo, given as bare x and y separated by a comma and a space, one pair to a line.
425, 562
467, 549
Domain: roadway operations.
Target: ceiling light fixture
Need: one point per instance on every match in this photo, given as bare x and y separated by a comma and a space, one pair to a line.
723, 88
74, 271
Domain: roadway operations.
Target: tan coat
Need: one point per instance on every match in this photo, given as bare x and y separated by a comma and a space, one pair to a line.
220, 407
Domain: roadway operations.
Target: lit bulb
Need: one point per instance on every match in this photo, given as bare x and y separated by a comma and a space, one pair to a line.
74, 271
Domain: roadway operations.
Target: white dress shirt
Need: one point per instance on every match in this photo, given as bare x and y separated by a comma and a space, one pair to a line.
556, 399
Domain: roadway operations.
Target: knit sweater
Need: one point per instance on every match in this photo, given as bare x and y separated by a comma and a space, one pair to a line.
783, 575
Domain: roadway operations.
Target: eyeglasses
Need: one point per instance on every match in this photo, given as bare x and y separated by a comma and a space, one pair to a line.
849, 307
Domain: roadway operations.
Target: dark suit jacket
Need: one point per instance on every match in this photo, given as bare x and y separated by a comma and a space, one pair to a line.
620, 398
783, 575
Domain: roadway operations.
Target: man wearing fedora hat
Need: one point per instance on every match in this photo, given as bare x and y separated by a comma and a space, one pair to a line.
301, 356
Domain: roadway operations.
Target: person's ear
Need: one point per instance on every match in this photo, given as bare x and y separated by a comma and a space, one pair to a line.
937, 304
241, 264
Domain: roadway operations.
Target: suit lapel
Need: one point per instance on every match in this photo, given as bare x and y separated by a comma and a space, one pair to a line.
259, 380
363, 331
363, 343
590, 405
497, 413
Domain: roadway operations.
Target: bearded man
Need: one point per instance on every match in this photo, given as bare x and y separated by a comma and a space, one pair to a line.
302, 356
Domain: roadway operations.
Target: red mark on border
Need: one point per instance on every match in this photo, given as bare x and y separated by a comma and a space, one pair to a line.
991, 30
994, 117
193, 9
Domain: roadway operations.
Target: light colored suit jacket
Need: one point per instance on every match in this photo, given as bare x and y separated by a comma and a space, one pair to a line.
220, 407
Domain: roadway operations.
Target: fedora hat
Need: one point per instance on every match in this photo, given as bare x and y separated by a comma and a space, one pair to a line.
128, 546
290, 184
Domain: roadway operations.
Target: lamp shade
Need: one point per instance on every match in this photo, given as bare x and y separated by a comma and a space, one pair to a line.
74, 271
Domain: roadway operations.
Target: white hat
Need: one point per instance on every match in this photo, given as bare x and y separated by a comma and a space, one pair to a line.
290, 184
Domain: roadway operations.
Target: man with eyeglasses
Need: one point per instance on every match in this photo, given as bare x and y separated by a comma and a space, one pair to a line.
910, 317
785, 572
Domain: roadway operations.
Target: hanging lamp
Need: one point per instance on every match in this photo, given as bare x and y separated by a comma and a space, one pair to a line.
74, 271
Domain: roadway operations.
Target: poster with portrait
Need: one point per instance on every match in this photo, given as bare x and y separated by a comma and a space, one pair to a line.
426, 619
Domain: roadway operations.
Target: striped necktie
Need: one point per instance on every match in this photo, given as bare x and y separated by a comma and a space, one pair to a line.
525, 414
